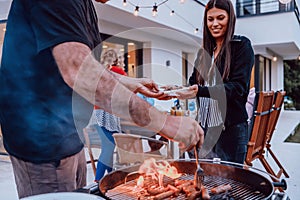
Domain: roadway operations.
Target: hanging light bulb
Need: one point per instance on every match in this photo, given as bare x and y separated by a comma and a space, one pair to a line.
196, 30
299, 57
182, 1
154, 10
136, 11
172, 12
274, 58
124, 3
285, 1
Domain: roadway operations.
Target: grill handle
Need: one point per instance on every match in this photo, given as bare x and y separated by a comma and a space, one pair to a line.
91, 189
282, 184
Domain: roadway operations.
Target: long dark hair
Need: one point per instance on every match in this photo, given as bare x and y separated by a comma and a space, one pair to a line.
209, 43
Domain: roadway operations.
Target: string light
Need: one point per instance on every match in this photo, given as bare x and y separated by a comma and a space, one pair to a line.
274, 58
136, 11
299, 57
154, 10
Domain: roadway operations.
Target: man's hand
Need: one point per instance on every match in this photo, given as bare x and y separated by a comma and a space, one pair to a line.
184, 130
144, 86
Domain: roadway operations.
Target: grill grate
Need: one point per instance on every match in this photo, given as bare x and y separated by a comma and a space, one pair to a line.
239, 190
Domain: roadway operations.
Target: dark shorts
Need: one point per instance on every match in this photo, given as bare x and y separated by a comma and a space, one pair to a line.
65, 175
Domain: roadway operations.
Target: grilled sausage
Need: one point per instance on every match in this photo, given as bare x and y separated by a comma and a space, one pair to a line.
221, 188
174, 189
204, 193
180, 184
163, 195
156, 190
188, 189
194, 195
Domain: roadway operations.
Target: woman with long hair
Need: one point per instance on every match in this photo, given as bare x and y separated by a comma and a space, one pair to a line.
220, 82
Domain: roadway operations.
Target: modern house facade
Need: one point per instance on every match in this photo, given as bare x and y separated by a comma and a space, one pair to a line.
164, 47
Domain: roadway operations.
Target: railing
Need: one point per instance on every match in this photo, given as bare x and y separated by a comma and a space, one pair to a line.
247, 8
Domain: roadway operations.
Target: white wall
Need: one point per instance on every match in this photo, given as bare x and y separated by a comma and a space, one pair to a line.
169, 50
277, 76
270, 29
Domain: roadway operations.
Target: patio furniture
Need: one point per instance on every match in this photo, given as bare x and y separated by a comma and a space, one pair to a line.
266, 112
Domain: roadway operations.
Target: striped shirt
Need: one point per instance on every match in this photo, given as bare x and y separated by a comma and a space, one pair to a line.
209, 113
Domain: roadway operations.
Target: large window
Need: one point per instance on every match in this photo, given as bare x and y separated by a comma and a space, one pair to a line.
262, 73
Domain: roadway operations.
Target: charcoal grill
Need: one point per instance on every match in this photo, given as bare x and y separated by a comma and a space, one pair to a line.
245, 183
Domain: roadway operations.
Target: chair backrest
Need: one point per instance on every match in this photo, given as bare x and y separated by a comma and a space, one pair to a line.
91, 137
279, 96
91, 140
262, 110
131, 149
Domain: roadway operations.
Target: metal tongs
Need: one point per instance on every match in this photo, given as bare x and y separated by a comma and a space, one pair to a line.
199, 173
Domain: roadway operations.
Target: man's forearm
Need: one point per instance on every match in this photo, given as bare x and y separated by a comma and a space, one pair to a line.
100, 87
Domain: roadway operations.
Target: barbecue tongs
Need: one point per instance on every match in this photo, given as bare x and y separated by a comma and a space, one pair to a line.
199, 173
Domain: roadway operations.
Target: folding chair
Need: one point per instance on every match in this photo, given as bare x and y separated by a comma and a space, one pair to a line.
265, 118
259, 133
92, 140
133, 148
279, 96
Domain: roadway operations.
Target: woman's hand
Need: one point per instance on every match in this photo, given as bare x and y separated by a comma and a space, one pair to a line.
188, 93
169, 91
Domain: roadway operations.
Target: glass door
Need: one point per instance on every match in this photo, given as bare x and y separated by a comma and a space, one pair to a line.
129, 53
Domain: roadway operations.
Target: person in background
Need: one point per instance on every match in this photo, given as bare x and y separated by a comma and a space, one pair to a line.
49, 81
250, 104
105, 123
117, 68
220, 81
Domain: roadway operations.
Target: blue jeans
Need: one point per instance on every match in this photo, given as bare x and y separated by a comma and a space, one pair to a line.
232, 144
105, 161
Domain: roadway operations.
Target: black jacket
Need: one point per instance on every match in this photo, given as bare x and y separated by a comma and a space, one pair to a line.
236, 86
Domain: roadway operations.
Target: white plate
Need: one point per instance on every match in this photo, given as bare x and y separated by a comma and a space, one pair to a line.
173, 92
64, 196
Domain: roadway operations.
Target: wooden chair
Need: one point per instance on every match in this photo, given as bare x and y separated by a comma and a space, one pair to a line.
258, 139
92, 140
268, 105
278, 102
133, 148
